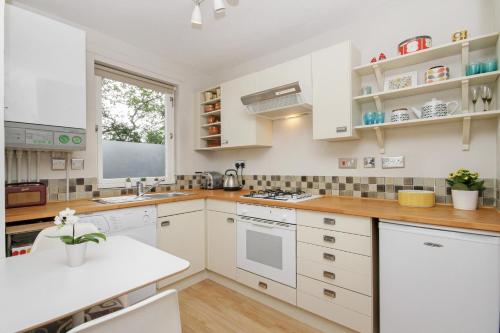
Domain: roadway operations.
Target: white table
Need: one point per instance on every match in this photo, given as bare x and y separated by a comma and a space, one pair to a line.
40, 287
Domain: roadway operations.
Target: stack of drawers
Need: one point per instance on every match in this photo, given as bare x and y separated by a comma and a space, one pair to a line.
335, 269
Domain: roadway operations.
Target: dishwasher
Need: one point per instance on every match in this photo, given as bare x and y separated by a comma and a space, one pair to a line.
438, 280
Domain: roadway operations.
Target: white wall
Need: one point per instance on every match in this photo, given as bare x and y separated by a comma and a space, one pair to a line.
115, 52
431, 151
2, 162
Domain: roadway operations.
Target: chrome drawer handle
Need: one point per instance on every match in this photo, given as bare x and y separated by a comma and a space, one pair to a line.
329, 256
329, 293
341, 129
165, 223
329, 221
329, 239
262, 285
230, 220
433, 244
329, 275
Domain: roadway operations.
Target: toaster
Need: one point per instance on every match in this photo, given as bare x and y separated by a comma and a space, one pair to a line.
25, 194
211, 180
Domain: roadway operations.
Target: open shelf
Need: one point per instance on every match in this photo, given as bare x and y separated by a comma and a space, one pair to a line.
208, 137
465, 118
205, 114
428, 88
212, 101
212, 124
435, 52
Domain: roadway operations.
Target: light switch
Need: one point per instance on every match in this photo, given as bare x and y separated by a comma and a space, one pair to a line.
77, 163
58, 163
348, 163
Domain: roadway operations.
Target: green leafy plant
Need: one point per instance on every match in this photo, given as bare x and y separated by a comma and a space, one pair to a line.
465, 180
67, 217
128, 180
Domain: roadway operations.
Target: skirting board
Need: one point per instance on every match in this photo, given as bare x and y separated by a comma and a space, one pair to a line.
306, 317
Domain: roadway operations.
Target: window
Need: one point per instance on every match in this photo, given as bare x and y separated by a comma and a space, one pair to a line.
135, 127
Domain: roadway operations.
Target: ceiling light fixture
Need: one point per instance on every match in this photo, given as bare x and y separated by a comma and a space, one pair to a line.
219, 8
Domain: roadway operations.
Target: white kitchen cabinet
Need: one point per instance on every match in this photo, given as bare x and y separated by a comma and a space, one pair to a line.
183, 235
44, 70
298, 69
221, 238
240, 128
334, 86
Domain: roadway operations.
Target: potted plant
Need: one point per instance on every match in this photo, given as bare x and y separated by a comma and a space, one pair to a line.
128, 183
465, 187
76, 246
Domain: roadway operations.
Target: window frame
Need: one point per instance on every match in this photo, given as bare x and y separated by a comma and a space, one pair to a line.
170, 177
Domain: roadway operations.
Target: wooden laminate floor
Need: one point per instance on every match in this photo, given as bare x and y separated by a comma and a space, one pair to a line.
208, 307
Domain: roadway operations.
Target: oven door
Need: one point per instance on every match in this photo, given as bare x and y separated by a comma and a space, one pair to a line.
268, 249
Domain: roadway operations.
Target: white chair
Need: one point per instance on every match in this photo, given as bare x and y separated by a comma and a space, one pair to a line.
44, 240
157, 314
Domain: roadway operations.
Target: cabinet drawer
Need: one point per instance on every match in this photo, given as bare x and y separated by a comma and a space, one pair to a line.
339, 314
337, 222
355, 263
271, 288
336, 240
335, 276
335, 295
180, 207
221, 206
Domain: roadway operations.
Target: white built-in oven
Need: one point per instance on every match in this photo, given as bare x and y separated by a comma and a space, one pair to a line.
266, 242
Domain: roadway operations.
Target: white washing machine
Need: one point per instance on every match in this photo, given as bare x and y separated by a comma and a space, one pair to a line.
138, 223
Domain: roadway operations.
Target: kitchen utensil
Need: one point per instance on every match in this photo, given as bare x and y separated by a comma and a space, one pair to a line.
366, 90
231, 182
474, 95
212, 143
212, 119
414, 44
459, 35
213, 130
490, 65
485, 93
211, 180
473, 69
25, 194
435, 108
401, 114
208, 108
436, 74
217, 106
416, 198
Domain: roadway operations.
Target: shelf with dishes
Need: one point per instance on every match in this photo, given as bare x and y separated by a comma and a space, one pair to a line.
465, 118
460, 47
210, 123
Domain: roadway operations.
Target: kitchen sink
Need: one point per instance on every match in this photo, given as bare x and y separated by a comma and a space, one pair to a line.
166, 195
135, 198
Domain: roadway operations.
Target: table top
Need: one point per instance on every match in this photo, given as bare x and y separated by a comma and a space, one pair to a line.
40, 287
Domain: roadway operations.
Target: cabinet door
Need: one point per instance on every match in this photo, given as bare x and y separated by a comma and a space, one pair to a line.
44, 70
239, 127
333, 84
291, 71
183, 235
221, 237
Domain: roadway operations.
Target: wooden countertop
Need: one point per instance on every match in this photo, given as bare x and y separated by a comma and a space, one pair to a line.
485, 219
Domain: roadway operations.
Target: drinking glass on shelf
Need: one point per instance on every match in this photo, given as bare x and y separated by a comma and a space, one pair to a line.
485, 92
475, 96
489, 98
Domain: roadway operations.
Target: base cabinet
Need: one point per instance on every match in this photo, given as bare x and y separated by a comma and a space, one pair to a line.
221, 238
183, 235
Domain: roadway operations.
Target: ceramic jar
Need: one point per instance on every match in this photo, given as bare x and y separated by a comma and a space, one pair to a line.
398, 115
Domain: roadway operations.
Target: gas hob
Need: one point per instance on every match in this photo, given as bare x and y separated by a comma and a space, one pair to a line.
279, 195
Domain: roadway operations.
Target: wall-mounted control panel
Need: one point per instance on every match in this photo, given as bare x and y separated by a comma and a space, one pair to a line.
394, 162
43, 137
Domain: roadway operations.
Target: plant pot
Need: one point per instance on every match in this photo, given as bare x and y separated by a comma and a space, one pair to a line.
465, 200
76, 254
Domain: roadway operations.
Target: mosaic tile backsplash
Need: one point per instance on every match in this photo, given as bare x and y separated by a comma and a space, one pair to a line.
363, 187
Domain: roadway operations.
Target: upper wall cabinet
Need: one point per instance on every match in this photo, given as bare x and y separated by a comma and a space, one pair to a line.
334, 85
44, 70
296, 70
230, 125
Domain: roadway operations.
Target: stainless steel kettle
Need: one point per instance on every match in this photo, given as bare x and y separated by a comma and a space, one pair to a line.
231, 182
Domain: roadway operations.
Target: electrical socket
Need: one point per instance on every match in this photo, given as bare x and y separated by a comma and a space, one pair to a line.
393, 162
348, 163
239, 164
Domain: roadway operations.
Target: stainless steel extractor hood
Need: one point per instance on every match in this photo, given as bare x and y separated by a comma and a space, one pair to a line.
281, 102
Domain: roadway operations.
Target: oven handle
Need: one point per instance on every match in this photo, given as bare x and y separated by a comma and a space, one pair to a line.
262, 225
